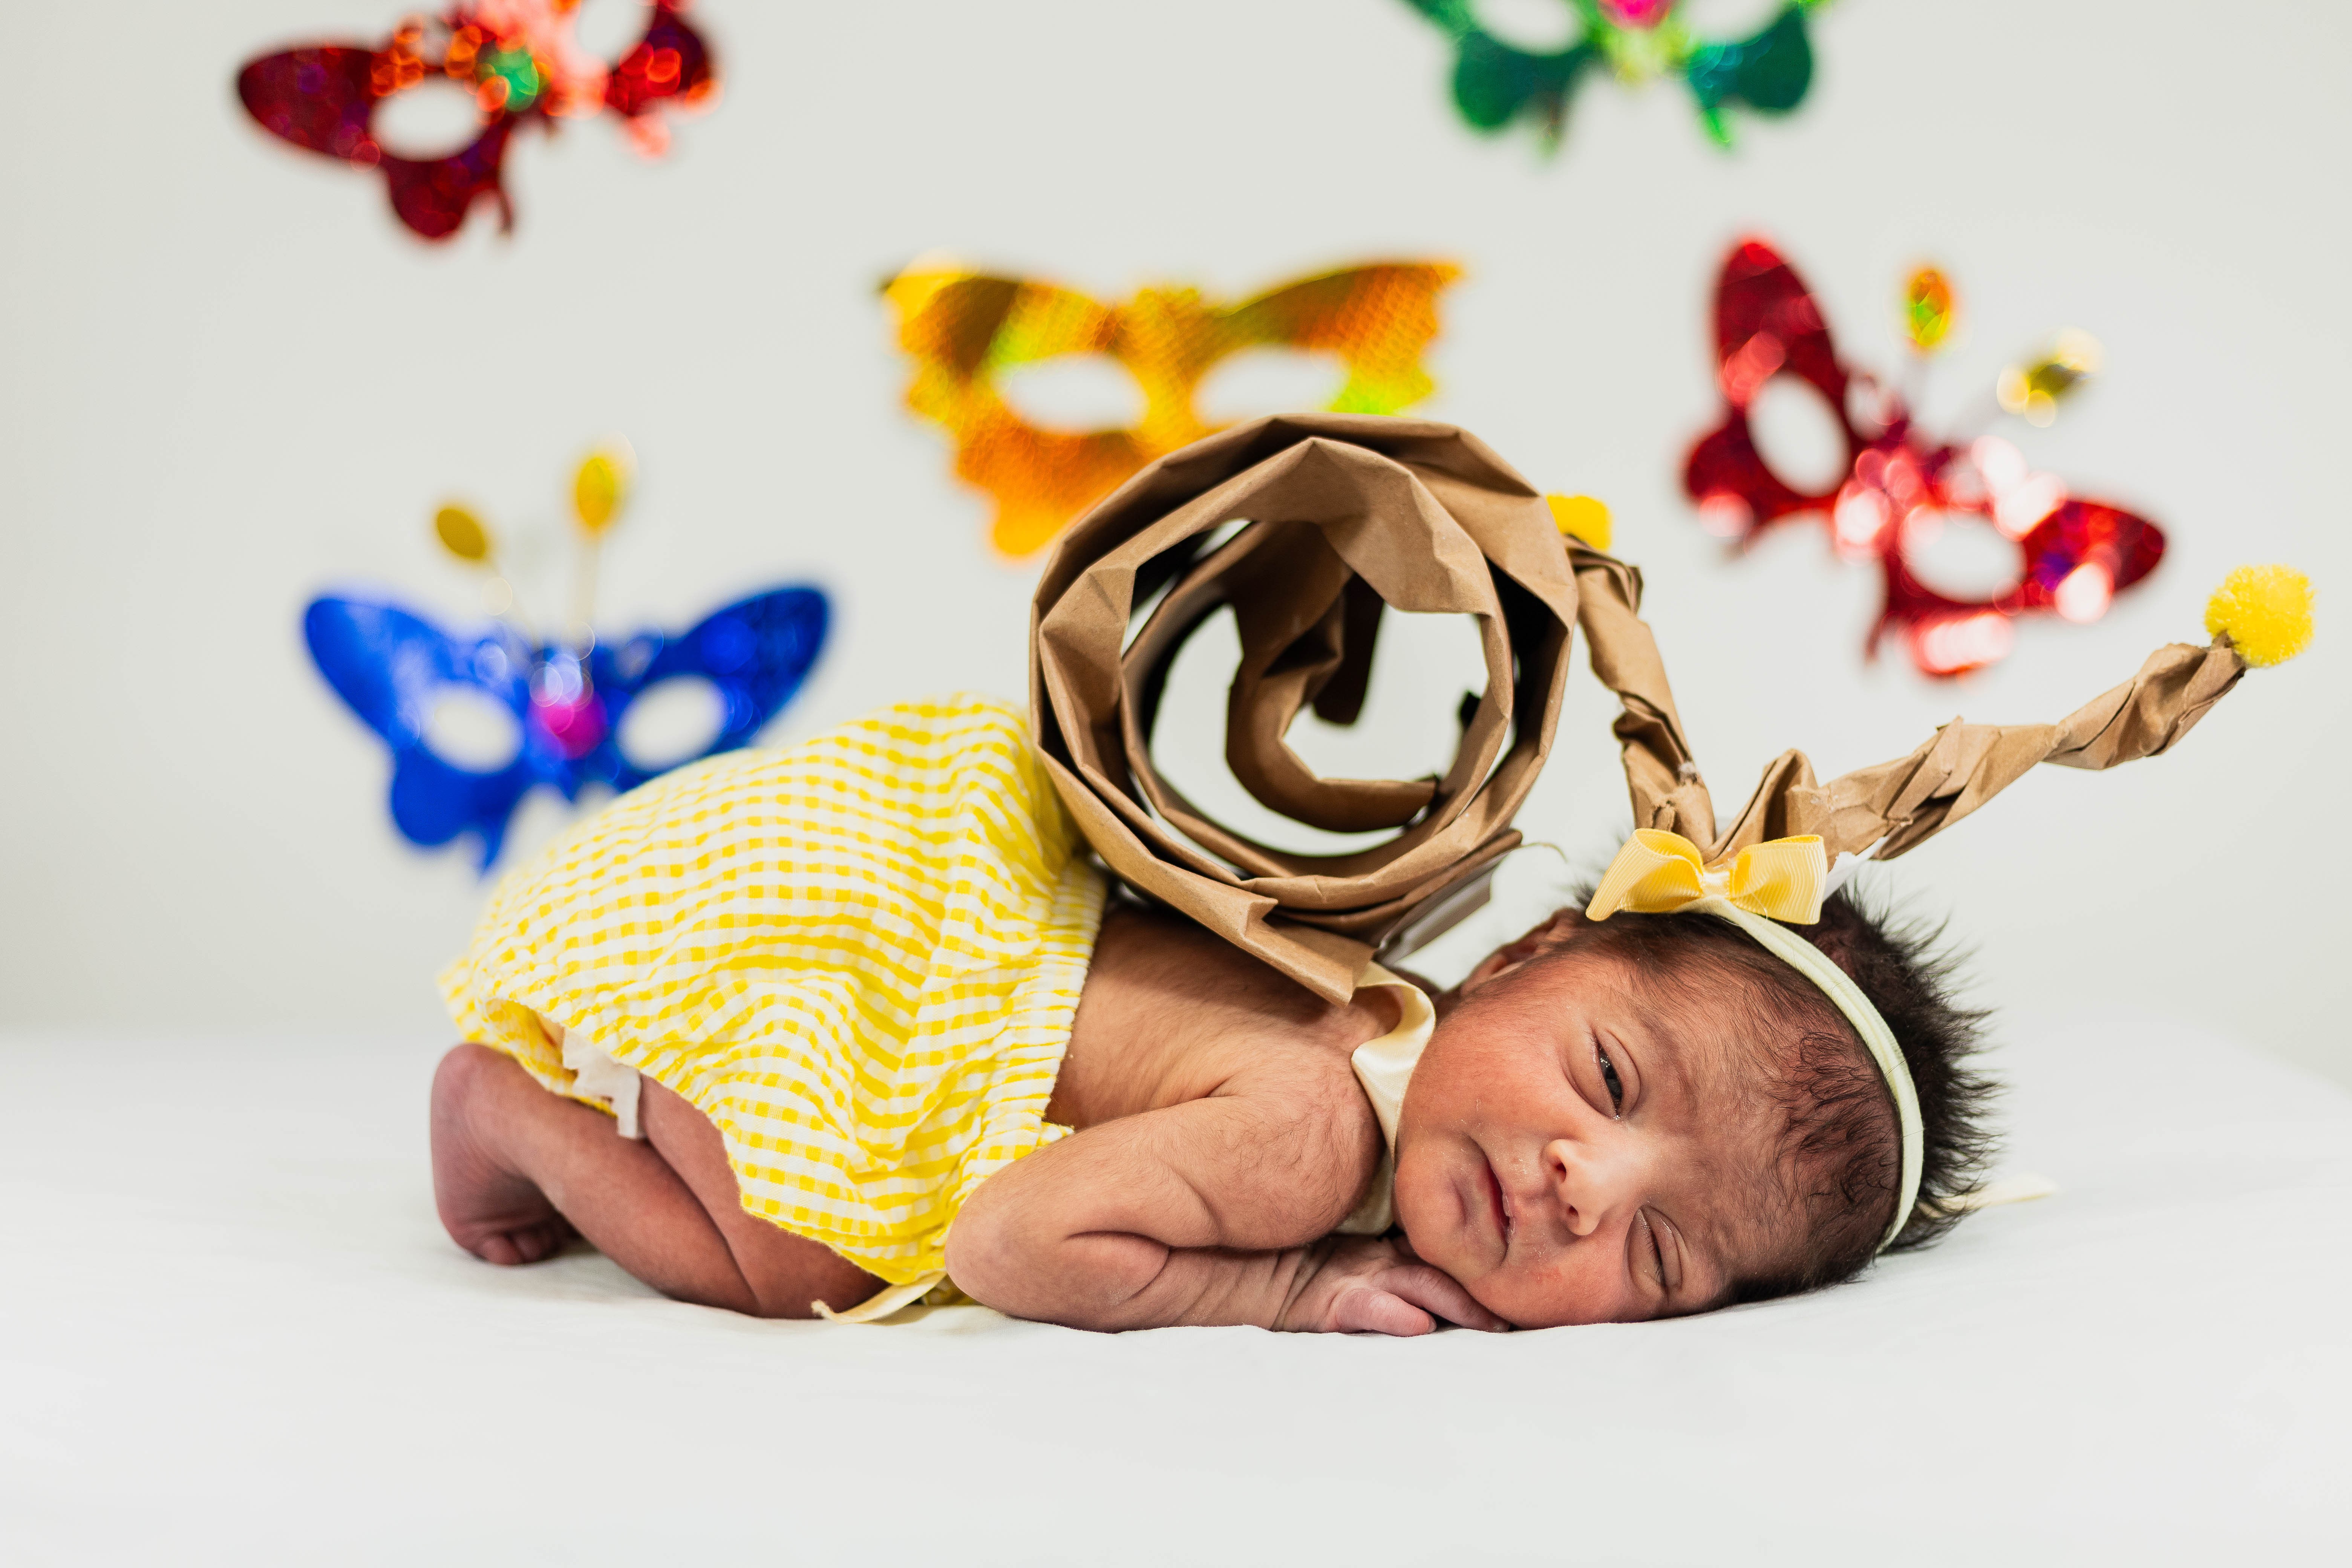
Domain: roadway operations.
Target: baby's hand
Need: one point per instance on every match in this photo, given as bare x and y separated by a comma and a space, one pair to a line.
1374, 1284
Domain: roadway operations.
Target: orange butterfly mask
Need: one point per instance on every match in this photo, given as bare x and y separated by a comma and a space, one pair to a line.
964, 329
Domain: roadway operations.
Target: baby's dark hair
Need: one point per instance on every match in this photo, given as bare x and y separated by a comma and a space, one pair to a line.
1840, 1144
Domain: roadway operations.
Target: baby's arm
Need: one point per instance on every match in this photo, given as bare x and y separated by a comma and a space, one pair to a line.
1202, 1213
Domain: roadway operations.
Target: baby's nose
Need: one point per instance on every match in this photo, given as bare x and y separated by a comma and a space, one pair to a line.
1591, 1183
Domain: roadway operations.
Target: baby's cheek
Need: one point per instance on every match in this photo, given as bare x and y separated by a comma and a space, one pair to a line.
1573, 1290
1431, 1226
1505, 1303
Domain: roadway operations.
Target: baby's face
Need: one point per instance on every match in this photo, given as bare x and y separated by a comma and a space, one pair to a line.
1570, 1149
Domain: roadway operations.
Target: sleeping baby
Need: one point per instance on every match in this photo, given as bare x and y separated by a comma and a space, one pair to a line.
875, 1015
838, 1027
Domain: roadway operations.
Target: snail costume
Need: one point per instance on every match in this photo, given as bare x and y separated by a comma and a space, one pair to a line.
860, 956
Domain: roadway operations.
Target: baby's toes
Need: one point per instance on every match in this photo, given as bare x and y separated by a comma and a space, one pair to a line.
528, 1243
501, 1247
545, 1241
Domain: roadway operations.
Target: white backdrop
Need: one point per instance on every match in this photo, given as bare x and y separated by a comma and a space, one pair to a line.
229, 381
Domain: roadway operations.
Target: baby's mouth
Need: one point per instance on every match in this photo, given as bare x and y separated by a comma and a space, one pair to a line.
1501, 1209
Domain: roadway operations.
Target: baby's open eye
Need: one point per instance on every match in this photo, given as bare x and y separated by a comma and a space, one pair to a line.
1611, 1081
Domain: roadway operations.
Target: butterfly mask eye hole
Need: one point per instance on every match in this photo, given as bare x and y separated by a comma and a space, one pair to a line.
1799, 436
1077, 392
1533, 26
673, 721
437, 118
1269, 380
471, 730
1961, 556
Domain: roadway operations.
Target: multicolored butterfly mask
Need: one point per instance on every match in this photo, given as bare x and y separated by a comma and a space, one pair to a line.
1900, 486
522, 64
567, 699
1497, 84
964, 329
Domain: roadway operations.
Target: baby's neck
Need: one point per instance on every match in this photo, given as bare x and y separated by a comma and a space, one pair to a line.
1169, 1011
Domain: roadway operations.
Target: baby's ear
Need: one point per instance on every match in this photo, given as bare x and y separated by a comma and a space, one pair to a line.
1549, 937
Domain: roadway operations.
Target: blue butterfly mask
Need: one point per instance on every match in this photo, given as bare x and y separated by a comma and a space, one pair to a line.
391, 667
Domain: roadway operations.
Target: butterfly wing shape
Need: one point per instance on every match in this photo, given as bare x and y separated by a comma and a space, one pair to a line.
756, 653
433, 196
1496, 82
324, 98
1770, 72
671, 61
964, 330
2073, 557
320, 98
2074, 560
388, 665
1377, 320
1767, 322
2124, 546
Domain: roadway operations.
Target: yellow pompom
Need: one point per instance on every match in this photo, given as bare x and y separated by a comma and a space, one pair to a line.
1581, 517
2265, 611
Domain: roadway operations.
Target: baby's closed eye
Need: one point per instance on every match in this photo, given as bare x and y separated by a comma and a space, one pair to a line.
1611, 1081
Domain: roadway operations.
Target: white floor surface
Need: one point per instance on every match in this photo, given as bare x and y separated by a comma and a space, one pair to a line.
232, 1331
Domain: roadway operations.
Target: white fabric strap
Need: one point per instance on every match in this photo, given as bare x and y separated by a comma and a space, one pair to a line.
1384, 1068
593, 1071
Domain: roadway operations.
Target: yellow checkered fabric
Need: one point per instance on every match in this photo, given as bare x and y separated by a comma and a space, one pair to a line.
859, 956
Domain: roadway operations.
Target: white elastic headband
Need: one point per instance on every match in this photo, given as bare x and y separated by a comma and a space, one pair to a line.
1816, 966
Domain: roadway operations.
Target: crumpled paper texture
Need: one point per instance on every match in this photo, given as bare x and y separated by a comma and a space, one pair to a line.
1895, 806
1345, 514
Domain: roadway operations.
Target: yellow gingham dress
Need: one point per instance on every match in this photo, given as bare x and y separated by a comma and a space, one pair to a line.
859, 956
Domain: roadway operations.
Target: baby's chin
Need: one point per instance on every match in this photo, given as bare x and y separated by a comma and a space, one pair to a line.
1505, 1305
1508, 1293
1524, 1303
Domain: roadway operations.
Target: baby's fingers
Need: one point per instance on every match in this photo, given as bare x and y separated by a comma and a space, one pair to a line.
1440, 1294
1365, 1310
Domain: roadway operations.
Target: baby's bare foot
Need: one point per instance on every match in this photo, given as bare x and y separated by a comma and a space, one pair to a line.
489, 1208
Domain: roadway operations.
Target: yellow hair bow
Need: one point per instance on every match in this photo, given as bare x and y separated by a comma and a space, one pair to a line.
1779, 880
1659, 872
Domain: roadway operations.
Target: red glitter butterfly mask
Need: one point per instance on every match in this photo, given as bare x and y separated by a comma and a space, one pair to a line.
522, 62
1900, 486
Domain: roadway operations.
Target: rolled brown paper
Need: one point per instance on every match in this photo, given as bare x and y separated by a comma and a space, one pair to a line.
1894, 806
1346, 513
1343, 515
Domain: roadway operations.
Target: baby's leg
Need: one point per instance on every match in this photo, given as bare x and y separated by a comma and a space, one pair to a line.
512, 1164
783, 1272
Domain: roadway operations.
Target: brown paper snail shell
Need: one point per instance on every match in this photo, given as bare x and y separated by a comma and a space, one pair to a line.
1343, 515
